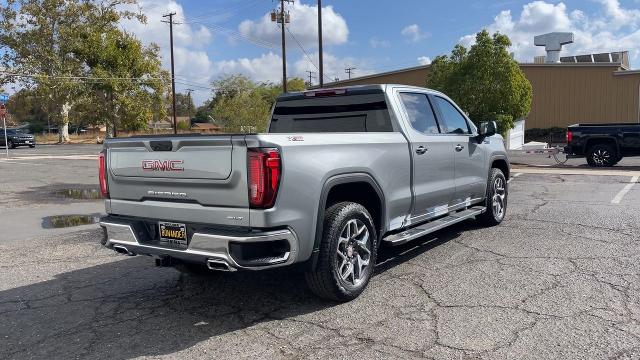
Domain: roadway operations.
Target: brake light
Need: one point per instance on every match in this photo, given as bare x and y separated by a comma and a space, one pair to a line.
102, 174
264, 170
322, 93
569, 137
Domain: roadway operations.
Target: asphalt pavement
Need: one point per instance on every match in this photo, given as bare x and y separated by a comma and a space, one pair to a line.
557, 280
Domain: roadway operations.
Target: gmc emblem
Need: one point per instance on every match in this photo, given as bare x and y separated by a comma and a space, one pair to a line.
162, 165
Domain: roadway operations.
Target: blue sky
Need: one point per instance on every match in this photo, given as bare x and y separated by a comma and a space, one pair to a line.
219, 37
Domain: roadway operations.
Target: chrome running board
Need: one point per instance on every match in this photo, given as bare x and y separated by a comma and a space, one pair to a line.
432, 226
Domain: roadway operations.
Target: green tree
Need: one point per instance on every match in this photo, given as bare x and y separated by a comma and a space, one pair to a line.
239, 104
185, 105
41, 37
132, 81
484, 80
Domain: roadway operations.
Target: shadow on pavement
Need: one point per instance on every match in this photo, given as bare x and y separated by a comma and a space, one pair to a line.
129, 308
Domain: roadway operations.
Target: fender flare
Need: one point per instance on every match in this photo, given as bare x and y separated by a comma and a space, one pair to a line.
329, 184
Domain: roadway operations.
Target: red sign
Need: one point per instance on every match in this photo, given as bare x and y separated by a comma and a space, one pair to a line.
3, 110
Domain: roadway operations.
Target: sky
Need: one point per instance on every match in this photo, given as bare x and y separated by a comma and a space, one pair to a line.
214, 38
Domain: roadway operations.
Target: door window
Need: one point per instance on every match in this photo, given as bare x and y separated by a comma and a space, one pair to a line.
453, 120
421, 115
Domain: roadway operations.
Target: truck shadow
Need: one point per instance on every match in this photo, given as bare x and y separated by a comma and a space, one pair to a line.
129, 308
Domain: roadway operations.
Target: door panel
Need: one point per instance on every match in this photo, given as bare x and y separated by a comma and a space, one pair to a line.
432, 156
631, 140
470, 174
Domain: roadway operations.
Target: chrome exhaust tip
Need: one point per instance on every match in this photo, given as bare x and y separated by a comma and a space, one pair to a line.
219, 265
122, 250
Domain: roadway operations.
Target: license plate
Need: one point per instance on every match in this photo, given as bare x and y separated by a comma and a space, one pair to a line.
173, 232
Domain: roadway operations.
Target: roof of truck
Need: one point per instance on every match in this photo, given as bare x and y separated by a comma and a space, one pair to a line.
357, 89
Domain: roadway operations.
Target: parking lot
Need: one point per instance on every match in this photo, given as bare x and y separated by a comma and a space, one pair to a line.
558, 280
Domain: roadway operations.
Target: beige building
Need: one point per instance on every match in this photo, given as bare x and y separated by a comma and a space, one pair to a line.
563, 93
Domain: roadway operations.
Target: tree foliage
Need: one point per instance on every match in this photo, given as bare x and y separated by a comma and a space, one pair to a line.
484, 80
241, 105
64, 45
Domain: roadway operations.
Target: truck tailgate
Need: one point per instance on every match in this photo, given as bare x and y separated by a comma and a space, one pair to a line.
152, 177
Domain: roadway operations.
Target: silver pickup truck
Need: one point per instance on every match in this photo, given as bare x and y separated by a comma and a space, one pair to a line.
339, 172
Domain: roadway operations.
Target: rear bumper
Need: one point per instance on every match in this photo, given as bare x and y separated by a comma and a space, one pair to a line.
212, 249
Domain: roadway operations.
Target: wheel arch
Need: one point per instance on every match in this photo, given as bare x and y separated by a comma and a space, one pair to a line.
336, 189
593, 141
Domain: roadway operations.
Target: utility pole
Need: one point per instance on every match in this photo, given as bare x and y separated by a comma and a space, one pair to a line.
283, 19
173, 75
320, 54
312, 75
349, 71
189, 103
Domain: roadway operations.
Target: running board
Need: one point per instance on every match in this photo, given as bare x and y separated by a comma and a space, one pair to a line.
432, 226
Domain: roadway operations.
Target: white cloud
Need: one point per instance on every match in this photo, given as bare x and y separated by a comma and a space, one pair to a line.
267, 67
413, 33
378, 43
614, 28
334, 67
191, 60
424, 60
304, 26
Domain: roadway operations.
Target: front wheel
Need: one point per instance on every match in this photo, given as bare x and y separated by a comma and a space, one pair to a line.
497, 196
11, 145
347, 253
32, 146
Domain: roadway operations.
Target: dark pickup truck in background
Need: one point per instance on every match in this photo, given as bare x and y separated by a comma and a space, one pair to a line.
603, 145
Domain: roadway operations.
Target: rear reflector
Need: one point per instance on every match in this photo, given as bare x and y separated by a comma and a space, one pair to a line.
569, 137
102, 174
264, 170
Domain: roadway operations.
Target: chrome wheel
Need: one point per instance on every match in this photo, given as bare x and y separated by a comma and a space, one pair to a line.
602, 157
354, 252
499, 198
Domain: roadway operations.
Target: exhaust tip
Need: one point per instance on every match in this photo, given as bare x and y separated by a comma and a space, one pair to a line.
219, 265
122, 250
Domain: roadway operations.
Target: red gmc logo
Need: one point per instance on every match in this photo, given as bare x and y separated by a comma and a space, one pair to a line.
162, 165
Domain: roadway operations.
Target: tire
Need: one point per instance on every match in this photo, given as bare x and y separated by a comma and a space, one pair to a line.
497, 199
602, 155
348, 242
11, 145
32, 146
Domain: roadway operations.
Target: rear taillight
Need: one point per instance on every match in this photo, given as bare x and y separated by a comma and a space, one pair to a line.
264, 169
102, 174
569, 137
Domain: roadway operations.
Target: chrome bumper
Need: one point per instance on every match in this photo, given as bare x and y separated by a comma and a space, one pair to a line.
203, 248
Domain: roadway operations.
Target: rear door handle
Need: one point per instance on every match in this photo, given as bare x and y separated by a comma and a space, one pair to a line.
421, 150
459, 148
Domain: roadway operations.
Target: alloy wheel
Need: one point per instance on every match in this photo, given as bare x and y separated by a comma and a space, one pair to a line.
354, 252
499, 197
601, 157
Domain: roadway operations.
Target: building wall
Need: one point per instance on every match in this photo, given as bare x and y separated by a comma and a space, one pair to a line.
562, 94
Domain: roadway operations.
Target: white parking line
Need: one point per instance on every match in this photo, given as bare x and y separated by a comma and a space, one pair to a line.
625, 190
514, 176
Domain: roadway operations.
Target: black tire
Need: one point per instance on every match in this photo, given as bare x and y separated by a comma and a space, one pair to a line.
11, 145
32, 146
602, 155
326, 280
497, 199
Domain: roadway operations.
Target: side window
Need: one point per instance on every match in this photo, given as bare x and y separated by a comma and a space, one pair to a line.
420, 112
454, 121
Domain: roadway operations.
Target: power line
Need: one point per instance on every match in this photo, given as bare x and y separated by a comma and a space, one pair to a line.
309, 59
349, 71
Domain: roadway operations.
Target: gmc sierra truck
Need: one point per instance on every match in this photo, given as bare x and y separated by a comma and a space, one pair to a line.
339, 172
603, 145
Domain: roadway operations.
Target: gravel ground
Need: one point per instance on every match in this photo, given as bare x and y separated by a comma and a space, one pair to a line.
557, 280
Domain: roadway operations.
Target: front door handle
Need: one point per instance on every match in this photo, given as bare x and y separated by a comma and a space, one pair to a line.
459, 148
421, 150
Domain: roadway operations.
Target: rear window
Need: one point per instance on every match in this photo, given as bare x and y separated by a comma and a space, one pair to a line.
350, 113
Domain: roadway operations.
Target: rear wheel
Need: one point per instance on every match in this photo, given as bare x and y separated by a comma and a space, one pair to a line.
347, 253
32, 146
11, 145
602, 155
497, 196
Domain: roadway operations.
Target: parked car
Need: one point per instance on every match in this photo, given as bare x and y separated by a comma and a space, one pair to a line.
17, 138
603, 145
339, 172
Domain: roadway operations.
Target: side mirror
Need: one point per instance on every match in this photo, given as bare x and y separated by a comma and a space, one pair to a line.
487, 128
